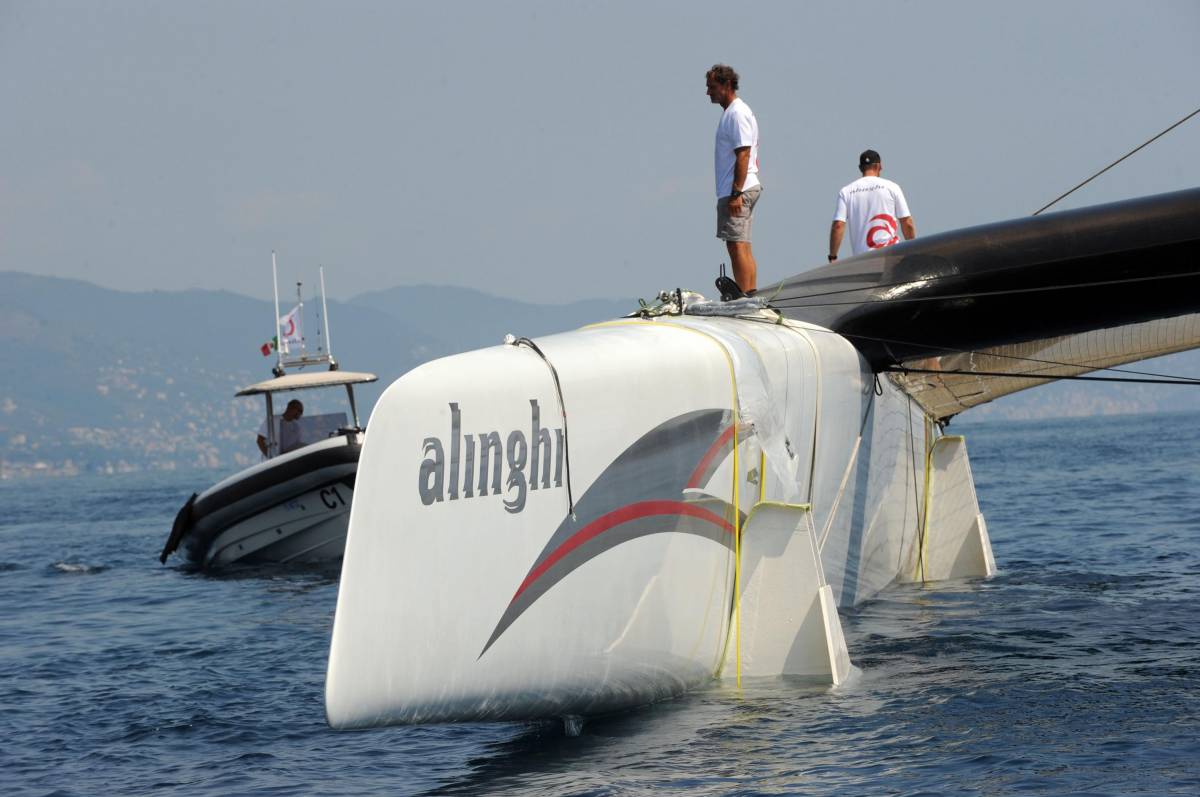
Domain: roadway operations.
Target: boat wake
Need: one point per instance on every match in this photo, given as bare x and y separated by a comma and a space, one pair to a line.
79, 568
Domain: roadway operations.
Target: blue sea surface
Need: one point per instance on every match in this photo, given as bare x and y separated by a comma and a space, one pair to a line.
1076, 670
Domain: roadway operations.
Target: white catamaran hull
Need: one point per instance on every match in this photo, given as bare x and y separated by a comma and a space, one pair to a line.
730, 476
469, 590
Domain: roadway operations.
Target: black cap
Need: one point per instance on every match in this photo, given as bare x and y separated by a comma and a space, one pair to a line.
868, 158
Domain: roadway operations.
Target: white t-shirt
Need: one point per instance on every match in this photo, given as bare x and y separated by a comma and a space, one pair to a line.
872, 206
737, 128
287, 434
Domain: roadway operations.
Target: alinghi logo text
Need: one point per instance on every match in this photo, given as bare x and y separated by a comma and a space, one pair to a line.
476, 462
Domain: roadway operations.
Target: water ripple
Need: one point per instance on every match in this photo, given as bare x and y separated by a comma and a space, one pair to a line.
1074, 671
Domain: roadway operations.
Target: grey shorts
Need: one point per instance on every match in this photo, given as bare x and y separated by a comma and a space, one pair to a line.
737, 228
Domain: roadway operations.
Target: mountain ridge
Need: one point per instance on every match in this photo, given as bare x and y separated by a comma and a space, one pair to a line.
126, 380
101, 379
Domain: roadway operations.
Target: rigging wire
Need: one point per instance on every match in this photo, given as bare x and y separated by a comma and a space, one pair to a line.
798, 302
881, 285
876, 286
900, 369
1017, 357
1005, 292
951, 349
1035, 213
1118, 160
562, 407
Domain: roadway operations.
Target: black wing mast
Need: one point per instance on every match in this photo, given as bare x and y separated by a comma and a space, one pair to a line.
978, 313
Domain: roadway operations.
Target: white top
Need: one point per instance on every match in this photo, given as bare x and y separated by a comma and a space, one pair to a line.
262, 427
287, 434
305, 381
737, 128
872, 206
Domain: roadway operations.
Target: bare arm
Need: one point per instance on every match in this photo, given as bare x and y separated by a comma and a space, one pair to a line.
836, 231
908, 227
740, 168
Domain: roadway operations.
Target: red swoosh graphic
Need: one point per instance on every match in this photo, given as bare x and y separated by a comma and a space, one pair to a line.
616, 518
706, 460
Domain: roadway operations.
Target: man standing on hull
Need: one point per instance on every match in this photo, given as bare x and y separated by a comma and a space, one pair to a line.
736, 161
875, 208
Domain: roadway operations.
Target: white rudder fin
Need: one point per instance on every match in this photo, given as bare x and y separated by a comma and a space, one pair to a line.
955, 542
789, 618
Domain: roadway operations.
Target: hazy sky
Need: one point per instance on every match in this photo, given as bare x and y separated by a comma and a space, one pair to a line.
551, 150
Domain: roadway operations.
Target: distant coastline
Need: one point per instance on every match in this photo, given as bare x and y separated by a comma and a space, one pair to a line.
111, 382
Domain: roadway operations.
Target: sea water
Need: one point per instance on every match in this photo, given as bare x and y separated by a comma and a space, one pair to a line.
1076, 670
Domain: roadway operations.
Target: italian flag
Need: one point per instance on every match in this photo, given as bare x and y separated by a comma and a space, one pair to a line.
289, 325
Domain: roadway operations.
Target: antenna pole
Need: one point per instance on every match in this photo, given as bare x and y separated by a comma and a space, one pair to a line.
300, 304
278, 336
325, 311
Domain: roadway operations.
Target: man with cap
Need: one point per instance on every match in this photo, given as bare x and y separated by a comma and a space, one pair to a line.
736, 162
875, 209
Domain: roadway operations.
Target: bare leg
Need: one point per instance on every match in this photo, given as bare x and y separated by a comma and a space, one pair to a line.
745, 270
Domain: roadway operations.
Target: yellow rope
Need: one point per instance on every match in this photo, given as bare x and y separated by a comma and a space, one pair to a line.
737, 529
922, 562
762, 476
931, 448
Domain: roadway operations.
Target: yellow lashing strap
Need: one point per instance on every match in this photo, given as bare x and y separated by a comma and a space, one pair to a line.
923, 560
661, 322
762, 476
921, 563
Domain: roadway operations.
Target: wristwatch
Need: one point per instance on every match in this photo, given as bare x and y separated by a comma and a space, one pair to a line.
832, 258
736, 194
